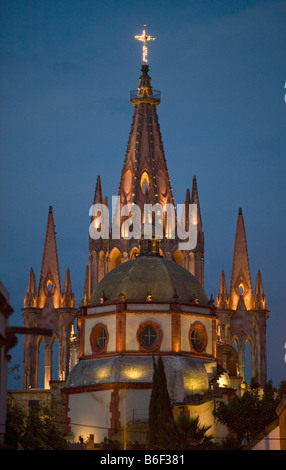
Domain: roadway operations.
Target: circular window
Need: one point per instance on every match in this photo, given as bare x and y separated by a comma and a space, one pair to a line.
149, 336
99, 338
198, 338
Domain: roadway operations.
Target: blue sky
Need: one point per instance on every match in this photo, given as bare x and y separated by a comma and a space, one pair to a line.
66, 71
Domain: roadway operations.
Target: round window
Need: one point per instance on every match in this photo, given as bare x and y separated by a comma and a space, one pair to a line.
99, 338
198, 338
149, 336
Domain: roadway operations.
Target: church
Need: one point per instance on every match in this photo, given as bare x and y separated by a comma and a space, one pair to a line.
143, 297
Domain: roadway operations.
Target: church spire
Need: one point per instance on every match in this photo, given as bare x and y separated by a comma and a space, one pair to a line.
67, 299
259, 298
50, 283
145, 167
30, 299
222, 297
240, 278
98, 199
199, 250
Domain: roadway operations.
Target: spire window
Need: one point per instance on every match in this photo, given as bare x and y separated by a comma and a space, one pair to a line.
144, 183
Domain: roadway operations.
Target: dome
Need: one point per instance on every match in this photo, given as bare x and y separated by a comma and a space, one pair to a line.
185, 375
149, 275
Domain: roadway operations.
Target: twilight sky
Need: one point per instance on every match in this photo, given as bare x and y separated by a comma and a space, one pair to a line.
66, 71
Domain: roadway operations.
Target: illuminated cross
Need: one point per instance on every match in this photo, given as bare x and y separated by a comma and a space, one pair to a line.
144, 38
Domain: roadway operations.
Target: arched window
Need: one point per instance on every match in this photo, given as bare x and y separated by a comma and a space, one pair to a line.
55, 361
248, 373
41, 363
144, 182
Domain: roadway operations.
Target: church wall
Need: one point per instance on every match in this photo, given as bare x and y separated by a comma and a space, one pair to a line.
205, 413
90, 414
186, 323
110, 322
133, 322
134, 405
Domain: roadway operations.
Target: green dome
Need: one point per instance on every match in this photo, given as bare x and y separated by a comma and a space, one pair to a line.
144, 275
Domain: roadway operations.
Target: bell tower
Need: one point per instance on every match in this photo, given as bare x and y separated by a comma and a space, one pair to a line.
144, 180
48, 307
242, 312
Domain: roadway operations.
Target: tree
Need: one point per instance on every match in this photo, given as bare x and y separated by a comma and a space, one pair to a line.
248, 415
33, 430
160, 409
153, 409
185, 434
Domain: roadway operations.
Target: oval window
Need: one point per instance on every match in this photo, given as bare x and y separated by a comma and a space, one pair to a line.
99, 338
198, 338
149, 336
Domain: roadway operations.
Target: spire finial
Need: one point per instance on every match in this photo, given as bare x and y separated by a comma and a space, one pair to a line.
144, 38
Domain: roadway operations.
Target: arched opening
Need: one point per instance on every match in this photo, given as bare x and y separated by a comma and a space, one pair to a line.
144, 182
234, 344
41, 364
248, 373
55, 360
134, 253
49, 286
114, 258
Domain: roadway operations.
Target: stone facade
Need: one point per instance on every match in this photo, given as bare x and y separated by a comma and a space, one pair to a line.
144, 180
242, 313
48, 307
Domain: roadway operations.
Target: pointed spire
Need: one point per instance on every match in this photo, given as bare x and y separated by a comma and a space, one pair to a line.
259, 298
222, 284
199, 251
50, 275
195, 200
222, 297
240, 278
186, 223
98, 199
67, 295
30, 299
145, 167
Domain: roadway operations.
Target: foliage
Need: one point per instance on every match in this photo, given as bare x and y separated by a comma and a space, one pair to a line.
33, 430
13, 370
185, 434
160, 409
164, 432
248, 415
229, 443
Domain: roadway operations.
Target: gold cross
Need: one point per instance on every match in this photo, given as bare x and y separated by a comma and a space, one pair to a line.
144, 38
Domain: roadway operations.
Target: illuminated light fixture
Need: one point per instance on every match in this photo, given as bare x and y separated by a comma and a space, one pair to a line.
144, 38
223, 380
103, 373
134, 373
